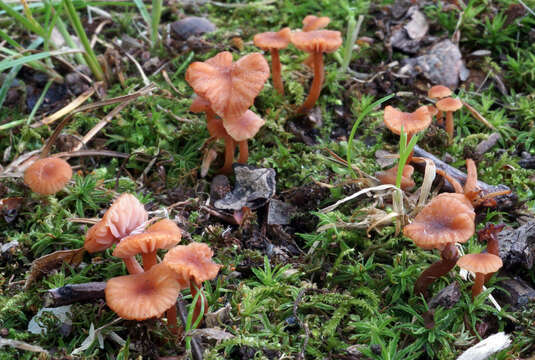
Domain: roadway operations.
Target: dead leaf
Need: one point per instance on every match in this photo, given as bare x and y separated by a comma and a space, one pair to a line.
212, 334
10, 208
49, 262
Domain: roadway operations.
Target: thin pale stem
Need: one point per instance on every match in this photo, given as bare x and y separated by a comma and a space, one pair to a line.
230, 146
449, 257
132, 265
276, 71
244, 152
315, 89
449, 125
149, 260
477, 288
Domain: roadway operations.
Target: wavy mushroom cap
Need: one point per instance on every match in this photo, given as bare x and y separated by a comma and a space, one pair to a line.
273, 40
216, 128
143, 296
199, 105
449, 104
444, 220
125, 215
411, 122
245, 127
432, 110
157, 236
192, 261
229, 87
459, 197
483, 263
389, 176
313, 22
98, 238
439, 92
326, 41
48, 176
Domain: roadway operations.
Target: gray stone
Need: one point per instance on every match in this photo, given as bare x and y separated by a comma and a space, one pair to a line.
447, 297
192, 26
517, 293
279, 212
517, 246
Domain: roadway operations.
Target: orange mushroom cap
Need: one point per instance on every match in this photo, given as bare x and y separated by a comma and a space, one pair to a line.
199, 105
192, 261
98, 238
48, 176
143, 296
325, 41
449, 104
389, 176
313, 22
411, 122
230, 87
439, 92
157, 236
125, 215
273, 40
245, 127
444, 220
483, 263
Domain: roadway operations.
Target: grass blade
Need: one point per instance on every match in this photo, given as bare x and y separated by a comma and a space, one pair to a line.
9, 63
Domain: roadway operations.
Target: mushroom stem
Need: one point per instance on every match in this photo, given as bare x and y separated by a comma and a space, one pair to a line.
449, 256
149, 260
244, 152
449, 125
471, 177
197, 288
315, 89
276, 71
440, 120
454, 183
172, 324
230, 146
477, 288
132, 265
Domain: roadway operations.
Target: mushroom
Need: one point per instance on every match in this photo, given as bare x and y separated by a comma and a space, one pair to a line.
316, 43
446, 220
274, 41
411, 123
124, 217
490, 235
230, 87
193, 265
145, 295
481, 265
449, 105
438, 92
48, 176
243, 129
313, 22
389, 177
163, 234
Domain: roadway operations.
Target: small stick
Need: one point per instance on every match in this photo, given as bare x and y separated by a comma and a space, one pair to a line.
75, 293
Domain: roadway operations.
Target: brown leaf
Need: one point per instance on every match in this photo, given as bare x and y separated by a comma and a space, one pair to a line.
47, 263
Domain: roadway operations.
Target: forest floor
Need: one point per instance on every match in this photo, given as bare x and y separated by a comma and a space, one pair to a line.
311, 284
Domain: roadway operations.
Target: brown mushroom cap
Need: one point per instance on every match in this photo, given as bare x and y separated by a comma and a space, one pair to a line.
245, 127
389, 176
273, 40
162, 235
411, 122
229, 87
439, 92
125, 215
449, 104
313, 22
143, 296
98, 238
199, 105
326, 41
483, 263
444, 220
193, 260
48, 176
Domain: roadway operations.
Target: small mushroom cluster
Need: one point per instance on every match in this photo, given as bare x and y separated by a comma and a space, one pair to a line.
151, 290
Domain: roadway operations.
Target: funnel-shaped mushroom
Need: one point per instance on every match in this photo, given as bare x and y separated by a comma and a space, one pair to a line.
449, 106
143, 296
316, 43
243, 129
161, 235
273, 42
481, 265
439, 92
193, 264
443, 222
389, 177
313, 22
230, 87
48, 176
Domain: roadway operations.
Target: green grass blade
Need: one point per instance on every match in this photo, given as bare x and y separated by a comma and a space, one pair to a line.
144, 12
33, 27
9, 63
156, 15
